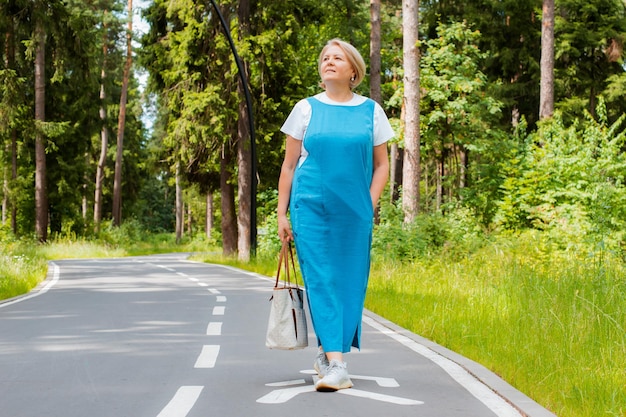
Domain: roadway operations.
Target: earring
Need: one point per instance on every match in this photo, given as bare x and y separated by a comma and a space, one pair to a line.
353, 78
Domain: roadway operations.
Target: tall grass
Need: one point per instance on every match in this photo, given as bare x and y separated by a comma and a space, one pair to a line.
553, 324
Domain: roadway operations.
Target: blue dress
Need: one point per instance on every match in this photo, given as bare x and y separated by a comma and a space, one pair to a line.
332, 218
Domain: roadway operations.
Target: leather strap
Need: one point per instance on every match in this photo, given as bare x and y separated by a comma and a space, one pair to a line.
286, 254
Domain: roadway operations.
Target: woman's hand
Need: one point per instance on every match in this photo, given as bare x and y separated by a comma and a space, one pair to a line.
284, 229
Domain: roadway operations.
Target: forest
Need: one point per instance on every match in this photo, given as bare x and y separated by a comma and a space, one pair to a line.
76, 151
510, 121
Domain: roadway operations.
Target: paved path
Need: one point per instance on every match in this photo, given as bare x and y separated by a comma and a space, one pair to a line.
159, 336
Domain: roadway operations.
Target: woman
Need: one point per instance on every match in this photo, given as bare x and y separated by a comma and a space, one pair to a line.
334, 171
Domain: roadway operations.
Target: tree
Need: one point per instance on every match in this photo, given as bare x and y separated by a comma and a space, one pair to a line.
411, 164
121, 124
244, 147
589, 38
546, 95
459, 115
41, 196
104, 133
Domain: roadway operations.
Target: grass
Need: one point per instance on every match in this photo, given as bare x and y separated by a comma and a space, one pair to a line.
551, 324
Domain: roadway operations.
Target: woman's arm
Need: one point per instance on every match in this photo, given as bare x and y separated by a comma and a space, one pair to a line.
380, 174
292, 154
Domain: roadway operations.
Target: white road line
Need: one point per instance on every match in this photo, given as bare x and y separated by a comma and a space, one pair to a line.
194, 279
221, 299
379, 397
202, 284
182, 402
208, 356
214, 329
479, 390
55, 278
214, 291
166, 268
219, 310
182, 274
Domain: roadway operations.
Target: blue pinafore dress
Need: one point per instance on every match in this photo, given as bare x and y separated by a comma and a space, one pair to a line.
332, 218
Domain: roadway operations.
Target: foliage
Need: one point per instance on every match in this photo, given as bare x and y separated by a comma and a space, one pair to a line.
569, 182
460, 133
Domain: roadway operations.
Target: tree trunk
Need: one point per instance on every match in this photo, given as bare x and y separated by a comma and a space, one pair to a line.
395, 167
9, 208
375, 60
179, 205
189, 221
229, 217
208, 227
375, 64
121, 122
411, 165
244, 154
546, 94
41, 196
104, 139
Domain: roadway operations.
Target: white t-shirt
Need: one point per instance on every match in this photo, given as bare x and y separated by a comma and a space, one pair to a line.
299, 118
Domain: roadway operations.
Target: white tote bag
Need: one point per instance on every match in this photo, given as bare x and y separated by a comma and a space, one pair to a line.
287, 327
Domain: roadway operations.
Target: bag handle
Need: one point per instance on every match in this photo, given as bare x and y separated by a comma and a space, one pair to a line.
286, 253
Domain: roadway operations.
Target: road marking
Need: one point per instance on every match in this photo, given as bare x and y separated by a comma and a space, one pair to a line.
55, 278
286, 383
214, 329
381, 381
202, 284
167, 268
182, 274
208, 356
194, 279
221, 299
219, 310
214, 291
475, 387
182, 402
279, 396
379, 397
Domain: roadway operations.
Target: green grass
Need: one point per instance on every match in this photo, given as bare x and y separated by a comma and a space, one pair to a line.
551, 324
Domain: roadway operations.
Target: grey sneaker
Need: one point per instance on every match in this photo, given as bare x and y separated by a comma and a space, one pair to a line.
321, 363
336, 377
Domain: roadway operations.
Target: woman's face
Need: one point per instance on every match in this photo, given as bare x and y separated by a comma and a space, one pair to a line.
335, 67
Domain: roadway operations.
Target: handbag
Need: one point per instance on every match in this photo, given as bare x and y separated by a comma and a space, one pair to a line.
287, 326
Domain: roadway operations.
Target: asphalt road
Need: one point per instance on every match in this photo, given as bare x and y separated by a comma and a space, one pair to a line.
159, 336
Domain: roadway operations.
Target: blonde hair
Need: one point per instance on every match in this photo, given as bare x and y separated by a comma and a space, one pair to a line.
352, 55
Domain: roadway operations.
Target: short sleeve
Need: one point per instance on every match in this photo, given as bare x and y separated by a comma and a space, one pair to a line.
382, 128
298, 120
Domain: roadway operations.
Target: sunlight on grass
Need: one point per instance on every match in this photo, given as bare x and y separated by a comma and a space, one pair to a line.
552, 326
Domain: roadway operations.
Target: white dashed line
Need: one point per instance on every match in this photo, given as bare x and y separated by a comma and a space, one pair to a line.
194, 279
182, 402
167, 268
202, 284
214, 329
214, 291
221, 299
219, 310
208, 356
